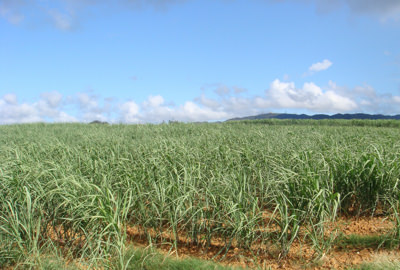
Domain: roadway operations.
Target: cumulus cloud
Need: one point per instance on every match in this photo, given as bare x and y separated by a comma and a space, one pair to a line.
17, 113
191, 111
155, 110
368, 99
310, 97
154, 101
129, 112
92, 107
10, 99
52, 99
280, 95
208, 102
324, 65
48, 107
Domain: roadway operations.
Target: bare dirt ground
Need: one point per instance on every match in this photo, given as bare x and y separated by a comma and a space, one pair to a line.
300, 256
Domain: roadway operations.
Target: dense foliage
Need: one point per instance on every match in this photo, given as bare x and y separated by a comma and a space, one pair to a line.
78, 188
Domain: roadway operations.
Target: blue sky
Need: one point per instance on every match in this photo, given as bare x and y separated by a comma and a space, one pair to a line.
137, 61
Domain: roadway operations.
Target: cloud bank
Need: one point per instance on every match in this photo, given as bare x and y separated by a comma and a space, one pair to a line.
222, 103
47, 108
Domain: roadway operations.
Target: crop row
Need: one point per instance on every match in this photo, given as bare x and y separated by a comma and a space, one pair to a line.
81, 188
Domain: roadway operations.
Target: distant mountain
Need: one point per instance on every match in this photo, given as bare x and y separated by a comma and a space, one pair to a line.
98, 122
318, 116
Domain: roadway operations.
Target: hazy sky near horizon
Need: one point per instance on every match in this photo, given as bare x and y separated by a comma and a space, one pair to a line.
136, 61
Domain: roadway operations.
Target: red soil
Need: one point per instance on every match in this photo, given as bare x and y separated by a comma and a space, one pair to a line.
300, 256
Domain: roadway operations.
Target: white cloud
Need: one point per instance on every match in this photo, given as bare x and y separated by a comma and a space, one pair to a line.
154, 101
63, 117
10, 99
231, 102
365, 90
129, 112
87, 101
193, 112
85, 107
239, 106
17, 113
367, 98
310, 97
208, 102
324, 65
281, 93
53, 99
91, 109
48, 107
332, 102
155, 110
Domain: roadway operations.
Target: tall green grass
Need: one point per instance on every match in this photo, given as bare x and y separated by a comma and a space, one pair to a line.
78, 188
